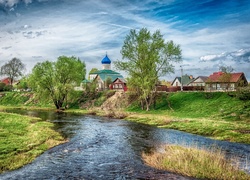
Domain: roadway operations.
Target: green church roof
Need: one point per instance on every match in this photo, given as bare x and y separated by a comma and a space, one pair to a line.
105, 71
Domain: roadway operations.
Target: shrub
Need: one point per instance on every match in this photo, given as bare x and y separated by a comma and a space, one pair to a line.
243, 93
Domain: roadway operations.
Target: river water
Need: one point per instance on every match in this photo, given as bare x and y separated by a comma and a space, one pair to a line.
103, 148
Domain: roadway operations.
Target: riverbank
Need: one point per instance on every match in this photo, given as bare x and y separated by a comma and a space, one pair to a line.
24, 138
217, 115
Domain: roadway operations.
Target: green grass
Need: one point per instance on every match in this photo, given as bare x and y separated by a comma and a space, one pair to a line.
24, 99
199, 105
23, 138
194, 162
217, 115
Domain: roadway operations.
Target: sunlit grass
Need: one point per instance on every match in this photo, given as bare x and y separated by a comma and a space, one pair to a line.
193, 162
23, 138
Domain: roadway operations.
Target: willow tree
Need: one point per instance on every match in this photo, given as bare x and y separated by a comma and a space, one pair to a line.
57, 79
146, 57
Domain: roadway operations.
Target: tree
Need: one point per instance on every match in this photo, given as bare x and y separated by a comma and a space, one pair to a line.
23, 83
147, 57
226, 69
57, 79
108, 81
13, 69
226, 76
92, 71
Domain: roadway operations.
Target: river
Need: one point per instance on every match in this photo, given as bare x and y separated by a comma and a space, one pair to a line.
104, 148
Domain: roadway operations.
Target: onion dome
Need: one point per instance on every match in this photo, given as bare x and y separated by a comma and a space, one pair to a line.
106, 60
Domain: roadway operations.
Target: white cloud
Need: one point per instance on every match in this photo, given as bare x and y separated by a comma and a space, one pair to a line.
88, 29
11, 3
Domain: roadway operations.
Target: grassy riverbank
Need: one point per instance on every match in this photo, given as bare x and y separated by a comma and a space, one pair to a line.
195, 162
23, 138
217, 115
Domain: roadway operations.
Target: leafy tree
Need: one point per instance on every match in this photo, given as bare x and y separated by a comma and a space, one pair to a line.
92, 71
23, 83
13, 69
57, 79
2, 86
147, 57
108, 81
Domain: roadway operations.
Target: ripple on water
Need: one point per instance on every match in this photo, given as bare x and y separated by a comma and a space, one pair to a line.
100, 148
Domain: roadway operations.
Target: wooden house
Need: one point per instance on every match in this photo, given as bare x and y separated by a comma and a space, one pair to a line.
184, 80
119, 84
6, 81
220, 81
199, 81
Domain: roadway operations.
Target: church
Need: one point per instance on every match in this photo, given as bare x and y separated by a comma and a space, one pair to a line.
107, 78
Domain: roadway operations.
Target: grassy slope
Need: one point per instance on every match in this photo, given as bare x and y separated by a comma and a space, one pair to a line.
23, 99
217, 115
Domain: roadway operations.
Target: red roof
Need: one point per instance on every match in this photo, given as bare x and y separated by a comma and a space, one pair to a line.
215, 77
6, 81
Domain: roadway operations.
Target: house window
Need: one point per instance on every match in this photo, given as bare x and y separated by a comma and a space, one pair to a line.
176, 83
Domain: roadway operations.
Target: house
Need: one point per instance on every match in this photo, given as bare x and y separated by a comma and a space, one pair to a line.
6, 81
119, 84
199, 81
220, 81
184, 80
106, 76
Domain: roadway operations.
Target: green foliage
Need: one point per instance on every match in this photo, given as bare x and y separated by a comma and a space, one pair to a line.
243, 93
14, 98
23, 83
108, 81
92, 71
147, 58
57, 79
3, 87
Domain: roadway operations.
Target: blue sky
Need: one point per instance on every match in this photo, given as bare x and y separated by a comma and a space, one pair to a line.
211, 33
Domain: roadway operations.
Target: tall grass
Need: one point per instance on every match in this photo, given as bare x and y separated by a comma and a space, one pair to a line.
193, 162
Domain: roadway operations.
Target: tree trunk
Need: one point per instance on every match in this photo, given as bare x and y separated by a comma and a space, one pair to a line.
147, 100
58, 104
142, 105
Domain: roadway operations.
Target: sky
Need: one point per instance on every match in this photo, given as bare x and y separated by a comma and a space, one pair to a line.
211, 33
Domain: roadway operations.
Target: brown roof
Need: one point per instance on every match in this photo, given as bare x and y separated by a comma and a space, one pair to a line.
215, 77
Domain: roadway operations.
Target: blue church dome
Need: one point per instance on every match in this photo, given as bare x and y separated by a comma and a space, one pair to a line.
106, 60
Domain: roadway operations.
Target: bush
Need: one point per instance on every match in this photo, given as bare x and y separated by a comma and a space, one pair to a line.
243, 93
2, 85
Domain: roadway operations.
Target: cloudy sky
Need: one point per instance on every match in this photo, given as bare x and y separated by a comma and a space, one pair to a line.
211, 33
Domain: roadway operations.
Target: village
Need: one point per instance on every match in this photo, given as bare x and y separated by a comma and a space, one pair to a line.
217, 81
106, 78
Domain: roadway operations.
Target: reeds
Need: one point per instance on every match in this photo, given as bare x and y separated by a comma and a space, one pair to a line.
194, 162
